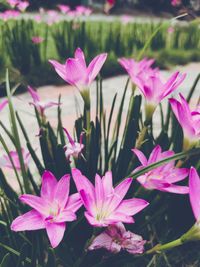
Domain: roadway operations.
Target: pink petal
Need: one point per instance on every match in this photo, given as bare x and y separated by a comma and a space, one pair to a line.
122, 188
140, 156
62, 191
174, 105
119, 217
174, 81
3, 104
49, 183
36, 203
125, 63
87, 201
107, 183
185, 105
194, 192
99, 191
33, 94
118, 194
55, 232
75, 73
132, 206
69, 137
65, 216
177, 189
91, 220
186, 122
156, 184
74, 202
95, 67
80, 56
31, 220
105, 241
177, 175
154, 154
82, 183
60, 69
101, 241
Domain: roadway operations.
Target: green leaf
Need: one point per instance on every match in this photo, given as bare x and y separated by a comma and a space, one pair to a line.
16, 253
6, 262
29, 146
16, 134
22, 256
192, 90
51, 259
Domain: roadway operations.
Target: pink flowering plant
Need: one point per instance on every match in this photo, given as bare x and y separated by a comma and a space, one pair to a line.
91, 195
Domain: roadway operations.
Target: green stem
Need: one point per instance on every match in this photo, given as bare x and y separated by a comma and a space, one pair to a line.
141, 137
86, 98
159, 248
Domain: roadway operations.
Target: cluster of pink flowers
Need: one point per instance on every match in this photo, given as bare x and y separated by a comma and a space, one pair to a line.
78, 11
9, 14
20, 5
146, 78
53, 16
103, 202
104, 207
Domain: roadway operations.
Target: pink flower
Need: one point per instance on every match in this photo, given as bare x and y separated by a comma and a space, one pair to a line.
72, 13
51, 210
38, 18
5, 160
9, 14
52, 17
39, 105
37, 39
188, 119
194, 192
3, 104
135, 68
104, 203
126, 19
75, 71
115, 238
176, 2
161, 178
63, 8
82, 10
22, 5
73, 149
12, 3
152, 87
170, 30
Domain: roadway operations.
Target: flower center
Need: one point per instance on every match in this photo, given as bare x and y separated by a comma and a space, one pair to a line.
54, 211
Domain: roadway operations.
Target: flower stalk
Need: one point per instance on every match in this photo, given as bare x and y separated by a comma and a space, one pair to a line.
159, 248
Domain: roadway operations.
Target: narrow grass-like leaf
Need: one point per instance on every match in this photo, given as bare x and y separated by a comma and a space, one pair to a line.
6, 260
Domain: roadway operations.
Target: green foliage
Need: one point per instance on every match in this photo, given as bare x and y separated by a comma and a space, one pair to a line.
29, 61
